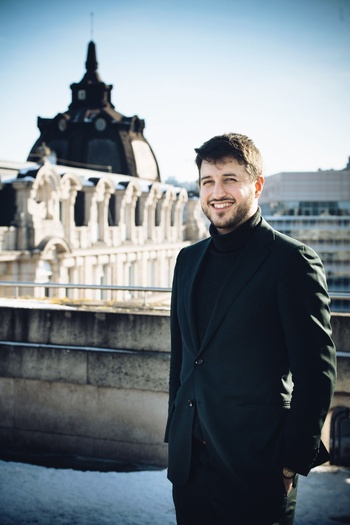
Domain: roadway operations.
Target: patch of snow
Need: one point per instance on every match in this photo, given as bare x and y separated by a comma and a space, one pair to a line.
30, 494
47, 496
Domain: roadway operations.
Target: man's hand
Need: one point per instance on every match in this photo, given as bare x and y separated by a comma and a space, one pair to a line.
288, 484
288, 478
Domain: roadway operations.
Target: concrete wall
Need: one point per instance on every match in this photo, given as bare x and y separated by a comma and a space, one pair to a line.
84, 383
94, 384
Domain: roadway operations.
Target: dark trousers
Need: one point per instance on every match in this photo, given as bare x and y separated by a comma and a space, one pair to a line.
208, 500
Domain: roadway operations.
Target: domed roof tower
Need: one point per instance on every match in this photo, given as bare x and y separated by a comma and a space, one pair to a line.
92, 135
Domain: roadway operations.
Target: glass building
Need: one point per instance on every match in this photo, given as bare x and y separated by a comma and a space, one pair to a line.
314, 207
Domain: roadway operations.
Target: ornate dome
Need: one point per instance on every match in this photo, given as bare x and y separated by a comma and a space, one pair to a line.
92, 134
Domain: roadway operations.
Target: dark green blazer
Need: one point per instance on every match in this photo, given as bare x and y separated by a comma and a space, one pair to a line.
263, 377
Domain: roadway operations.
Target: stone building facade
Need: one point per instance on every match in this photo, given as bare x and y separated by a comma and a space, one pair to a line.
88, 206
66, 225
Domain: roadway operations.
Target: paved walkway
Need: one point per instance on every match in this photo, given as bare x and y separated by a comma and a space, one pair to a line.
47, 496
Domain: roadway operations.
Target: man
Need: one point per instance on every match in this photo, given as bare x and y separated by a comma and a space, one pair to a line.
252, 368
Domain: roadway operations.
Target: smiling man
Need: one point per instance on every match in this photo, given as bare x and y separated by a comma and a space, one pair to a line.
228, 193
252, 368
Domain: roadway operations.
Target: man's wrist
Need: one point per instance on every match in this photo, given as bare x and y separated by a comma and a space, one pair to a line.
288, 473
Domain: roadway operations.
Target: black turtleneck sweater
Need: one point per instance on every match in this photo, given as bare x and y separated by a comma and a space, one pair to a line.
217, 266
215, 271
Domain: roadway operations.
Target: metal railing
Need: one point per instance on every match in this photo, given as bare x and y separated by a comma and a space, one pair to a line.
146, 291
133, 292
30, 284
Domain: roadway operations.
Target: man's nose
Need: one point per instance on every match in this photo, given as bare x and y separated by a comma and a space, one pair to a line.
219, 190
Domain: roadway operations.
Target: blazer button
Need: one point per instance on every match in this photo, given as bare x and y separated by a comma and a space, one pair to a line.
199, 361
190, 403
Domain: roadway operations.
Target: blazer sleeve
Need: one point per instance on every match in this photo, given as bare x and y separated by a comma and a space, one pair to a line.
176, 349
305, 315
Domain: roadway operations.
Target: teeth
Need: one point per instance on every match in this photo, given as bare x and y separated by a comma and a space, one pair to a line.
220, 206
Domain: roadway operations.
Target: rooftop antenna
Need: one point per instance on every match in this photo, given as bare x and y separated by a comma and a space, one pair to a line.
92, 25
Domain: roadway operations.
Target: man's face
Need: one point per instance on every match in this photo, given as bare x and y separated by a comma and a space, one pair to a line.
228, 195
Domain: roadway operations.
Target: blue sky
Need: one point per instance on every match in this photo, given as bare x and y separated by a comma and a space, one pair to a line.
276, 70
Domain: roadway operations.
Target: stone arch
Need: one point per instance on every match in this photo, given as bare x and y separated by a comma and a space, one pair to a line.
70, 184
51, 252
155, 194
59, 244
167, 202
127, 209
177, 214
44, 195
99, 208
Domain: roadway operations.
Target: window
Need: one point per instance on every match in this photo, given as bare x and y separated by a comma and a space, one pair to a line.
145, 162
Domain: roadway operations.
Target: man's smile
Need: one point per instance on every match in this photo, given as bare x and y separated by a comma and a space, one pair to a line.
221, 205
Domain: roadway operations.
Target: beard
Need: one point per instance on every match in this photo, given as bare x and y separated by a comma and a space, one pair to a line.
231, 218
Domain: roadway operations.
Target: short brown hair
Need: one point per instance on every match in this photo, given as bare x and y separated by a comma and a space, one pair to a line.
240, 147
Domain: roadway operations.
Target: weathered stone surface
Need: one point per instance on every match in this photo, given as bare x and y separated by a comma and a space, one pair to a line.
86, 328
95, 384
343, 375
131, 370
341, 331
85, 383
44, 363
7, 402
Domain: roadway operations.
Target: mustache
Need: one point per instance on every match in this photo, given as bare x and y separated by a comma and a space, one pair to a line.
223, 199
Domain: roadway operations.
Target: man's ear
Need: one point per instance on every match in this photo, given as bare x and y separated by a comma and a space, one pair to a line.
259, 184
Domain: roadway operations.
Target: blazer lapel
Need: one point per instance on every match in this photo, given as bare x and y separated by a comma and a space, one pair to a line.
253, 255
189, 295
